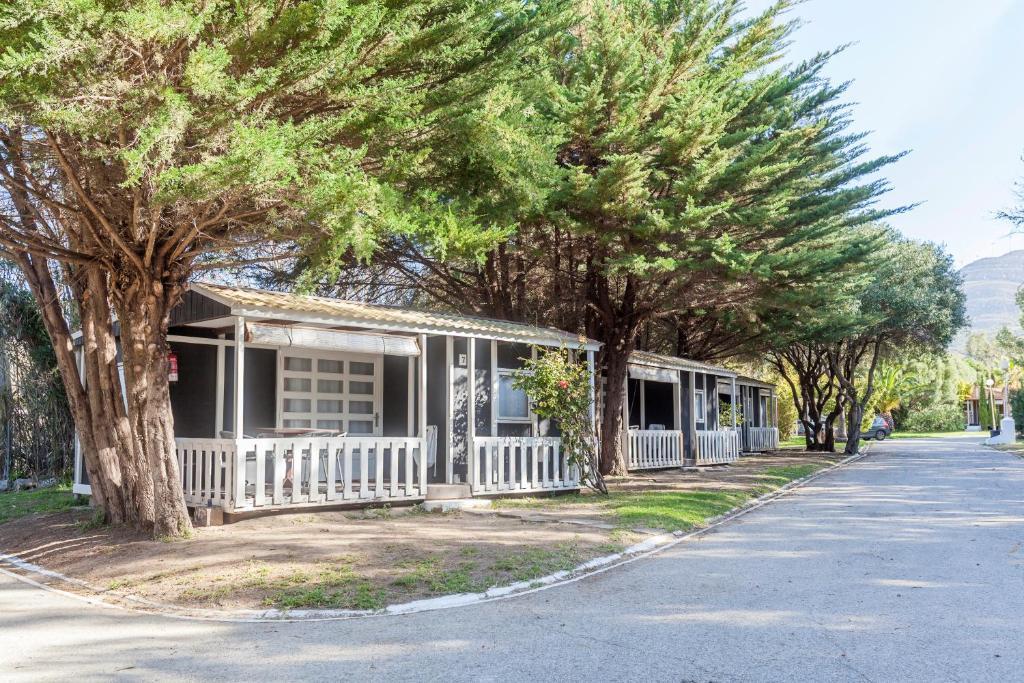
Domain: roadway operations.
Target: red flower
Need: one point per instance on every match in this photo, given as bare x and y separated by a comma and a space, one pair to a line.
563, 384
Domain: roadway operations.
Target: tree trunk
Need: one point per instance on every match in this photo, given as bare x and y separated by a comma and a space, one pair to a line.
615, 363
128, 453
144, 313
854, 420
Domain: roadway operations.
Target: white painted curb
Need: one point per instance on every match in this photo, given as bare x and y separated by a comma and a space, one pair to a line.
598, 565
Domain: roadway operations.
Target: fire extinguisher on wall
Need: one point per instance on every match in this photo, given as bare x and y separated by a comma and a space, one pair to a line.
172, 367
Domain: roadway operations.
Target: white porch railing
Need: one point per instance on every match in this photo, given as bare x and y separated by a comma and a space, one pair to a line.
652, 449
520, 464
301, 471
716, 447
761, 439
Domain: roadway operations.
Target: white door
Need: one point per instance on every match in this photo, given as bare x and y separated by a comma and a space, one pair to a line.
335, 391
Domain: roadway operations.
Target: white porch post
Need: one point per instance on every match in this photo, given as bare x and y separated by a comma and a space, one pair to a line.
449, 414
494, 389
534, 421
239, 376
733, 398
471, 459
422, 407
693, 413
643, 404
410, 394
422, 416
239, 468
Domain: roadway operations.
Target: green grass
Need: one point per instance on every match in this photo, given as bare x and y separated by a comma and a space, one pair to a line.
333, 585
795, 441
532, 563
672, 510
780, 476
430, 573
22, 503
936, 435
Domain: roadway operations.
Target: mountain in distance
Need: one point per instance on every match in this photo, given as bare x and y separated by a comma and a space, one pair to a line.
991, 286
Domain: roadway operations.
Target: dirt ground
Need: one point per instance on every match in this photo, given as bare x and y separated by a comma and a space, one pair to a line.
360, 560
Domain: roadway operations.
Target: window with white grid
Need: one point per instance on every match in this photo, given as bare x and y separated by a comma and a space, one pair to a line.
322, 390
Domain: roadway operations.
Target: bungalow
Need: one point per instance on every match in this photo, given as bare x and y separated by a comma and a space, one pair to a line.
673, 412
284, 401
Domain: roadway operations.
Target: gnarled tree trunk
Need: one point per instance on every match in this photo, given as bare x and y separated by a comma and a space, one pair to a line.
615, 364
144, 312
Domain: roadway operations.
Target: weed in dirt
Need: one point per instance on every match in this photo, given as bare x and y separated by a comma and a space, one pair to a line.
417, 509
610, 548
118, 584
206, 593
94, 521
383, 512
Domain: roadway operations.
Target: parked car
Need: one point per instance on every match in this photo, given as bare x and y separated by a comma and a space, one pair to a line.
878, 430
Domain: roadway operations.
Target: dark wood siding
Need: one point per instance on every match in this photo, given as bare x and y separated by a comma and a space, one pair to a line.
195, 307
194, 395
395, 396
437, 402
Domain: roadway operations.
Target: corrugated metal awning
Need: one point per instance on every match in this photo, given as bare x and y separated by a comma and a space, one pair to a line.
650, 374
332, 340
314, 310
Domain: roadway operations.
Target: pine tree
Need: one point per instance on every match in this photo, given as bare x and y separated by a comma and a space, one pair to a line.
143, 141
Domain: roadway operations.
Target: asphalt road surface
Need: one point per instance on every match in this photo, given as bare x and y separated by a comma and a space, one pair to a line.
908, 565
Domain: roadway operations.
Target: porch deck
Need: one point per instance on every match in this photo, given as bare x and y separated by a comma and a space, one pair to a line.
252, 474
283, 473
663, 448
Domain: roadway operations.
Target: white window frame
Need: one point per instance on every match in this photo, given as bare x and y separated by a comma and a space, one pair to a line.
528, 419
700, 408
314, 395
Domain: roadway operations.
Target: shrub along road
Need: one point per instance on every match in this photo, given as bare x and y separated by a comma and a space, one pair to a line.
904, 566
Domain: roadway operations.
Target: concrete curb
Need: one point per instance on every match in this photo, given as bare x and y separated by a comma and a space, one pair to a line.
598, 565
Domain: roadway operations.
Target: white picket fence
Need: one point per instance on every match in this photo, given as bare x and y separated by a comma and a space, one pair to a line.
761, 439
301, 471
653, 449
520, 464
717, 447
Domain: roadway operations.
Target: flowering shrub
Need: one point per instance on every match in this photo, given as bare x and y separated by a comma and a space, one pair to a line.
559, 389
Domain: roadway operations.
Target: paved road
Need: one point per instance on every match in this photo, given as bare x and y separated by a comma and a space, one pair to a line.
905, 566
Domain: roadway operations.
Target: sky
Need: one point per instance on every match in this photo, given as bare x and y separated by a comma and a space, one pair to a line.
943, 80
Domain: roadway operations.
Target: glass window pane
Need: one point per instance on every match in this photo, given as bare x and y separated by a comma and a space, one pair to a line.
512, 403
511, 355
329, 386
297, 405
335, 367
330, 406
329, 424
298, 364
292, 424
360, 388
358, 368
360, 407
303, 384
360, 427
